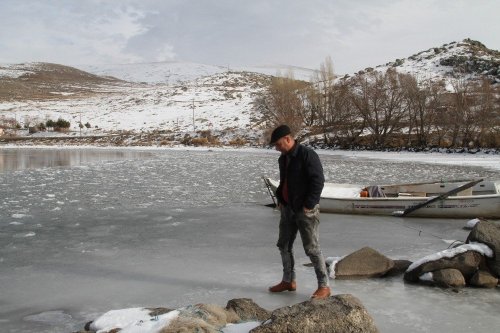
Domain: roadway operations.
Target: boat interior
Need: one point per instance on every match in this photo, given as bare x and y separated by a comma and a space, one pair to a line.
434, 189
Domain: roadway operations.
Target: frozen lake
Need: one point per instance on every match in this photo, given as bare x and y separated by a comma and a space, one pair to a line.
84, 231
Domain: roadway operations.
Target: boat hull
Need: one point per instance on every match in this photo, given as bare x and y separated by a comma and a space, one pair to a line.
487, 206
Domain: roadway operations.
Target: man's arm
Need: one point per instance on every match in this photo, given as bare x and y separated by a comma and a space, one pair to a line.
316, 179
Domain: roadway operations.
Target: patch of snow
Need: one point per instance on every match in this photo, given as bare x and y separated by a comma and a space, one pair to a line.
427, 277
133, 320
62, 93
331, 262
340, 191
240, 328
13, 70
450, 253
472, 223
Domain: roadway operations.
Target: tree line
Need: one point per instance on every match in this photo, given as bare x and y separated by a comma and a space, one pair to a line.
388, 109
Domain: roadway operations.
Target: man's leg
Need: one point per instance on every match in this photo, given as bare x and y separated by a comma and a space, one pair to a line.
308, 225
287, 235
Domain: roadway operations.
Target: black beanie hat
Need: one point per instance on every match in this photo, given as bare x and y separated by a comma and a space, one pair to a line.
279, 132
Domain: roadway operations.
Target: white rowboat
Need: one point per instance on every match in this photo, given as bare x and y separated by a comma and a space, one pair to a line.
480, 200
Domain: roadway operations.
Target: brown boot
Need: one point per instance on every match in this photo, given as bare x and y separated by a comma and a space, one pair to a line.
321, 293
283, 286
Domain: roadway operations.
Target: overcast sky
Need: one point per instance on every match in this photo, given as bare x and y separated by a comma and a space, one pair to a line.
354, 33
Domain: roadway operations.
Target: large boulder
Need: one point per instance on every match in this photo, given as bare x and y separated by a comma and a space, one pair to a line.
465, 258
336, 314
364, 263
488, 233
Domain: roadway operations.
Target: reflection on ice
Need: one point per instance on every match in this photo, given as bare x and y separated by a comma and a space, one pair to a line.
172, 228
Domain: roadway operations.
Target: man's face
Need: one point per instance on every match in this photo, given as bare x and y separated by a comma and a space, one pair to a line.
283, 144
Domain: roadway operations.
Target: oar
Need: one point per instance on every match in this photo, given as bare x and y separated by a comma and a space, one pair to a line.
436, 198
271, 194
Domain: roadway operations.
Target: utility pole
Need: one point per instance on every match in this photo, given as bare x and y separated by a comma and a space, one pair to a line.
194, 126
191, 105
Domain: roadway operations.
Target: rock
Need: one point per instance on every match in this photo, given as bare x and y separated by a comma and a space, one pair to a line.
363, 263
466, 262
488, 233
247, 309
483, 279
336, 314
448, 277
400, 266
87, 326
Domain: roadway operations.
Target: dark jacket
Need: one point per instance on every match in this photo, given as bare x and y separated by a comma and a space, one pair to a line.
305, 178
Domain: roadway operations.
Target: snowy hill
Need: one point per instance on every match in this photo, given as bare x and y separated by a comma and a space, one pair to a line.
175, 72
181, 98
466, 59
218, 102
169, 72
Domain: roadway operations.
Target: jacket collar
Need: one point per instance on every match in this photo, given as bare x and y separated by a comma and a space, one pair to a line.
294, 150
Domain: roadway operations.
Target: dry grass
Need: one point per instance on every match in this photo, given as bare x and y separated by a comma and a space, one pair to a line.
203, 318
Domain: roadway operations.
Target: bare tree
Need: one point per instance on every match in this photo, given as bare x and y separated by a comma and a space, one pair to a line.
487, 115
420, 99
378, 97
462, 117
283, 103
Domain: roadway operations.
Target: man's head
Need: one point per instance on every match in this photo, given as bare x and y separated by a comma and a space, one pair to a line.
282, 139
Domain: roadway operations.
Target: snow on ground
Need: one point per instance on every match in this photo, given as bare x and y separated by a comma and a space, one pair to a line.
426, 65
13, 70
138, 320
133, 320
201, 103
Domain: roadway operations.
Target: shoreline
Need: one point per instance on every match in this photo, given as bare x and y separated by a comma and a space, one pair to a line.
489, 159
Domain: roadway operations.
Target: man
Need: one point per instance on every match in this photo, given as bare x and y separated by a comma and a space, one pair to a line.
301, 183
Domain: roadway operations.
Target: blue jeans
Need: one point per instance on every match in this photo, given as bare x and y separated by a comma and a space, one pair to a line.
307, 225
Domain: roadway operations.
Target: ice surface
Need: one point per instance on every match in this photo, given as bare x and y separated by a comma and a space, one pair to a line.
146, 228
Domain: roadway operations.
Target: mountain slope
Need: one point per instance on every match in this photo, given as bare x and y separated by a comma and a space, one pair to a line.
46, 81
181, 98
219, 102
467, 59
175, 72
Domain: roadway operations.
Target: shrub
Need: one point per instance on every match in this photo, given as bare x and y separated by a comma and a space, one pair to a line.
50, 123
238, 142
61, 123
199, 141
